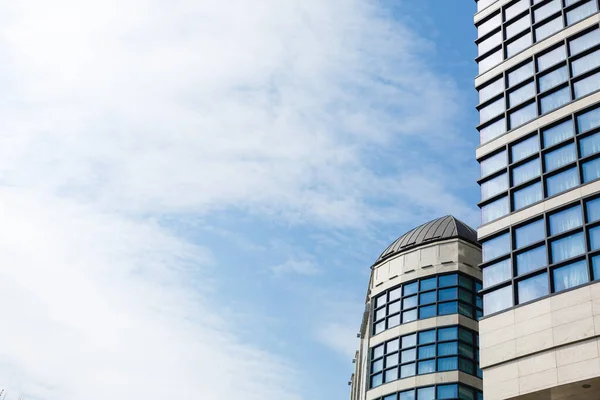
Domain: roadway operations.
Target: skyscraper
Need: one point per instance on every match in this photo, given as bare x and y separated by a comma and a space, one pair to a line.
539, 109
418, 337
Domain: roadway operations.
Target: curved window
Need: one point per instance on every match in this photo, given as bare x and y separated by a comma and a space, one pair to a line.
532, 288
446, 391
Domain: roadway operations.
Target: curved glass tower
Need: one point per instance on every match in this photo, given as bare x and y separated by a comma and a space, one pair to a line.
418, 337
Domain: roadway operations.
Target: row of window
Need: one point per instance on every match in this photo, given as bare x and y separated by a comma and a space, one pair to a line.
558, 158
434, 350
425, 298
453, 391
540, 85
524, 25
481, 4
548, 254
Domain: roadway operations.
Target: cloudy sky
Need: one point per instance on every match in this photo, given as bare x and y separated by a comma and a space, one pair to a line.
192, 191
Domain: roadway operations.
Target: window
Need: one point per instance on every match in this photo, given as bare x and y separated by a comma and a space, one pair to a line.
520, 74
497, 273
493, 163
591, 170
594, 235
441, 392
491, 90
581, 12
547, 29
494, 210
565, 220
494, 186
533, 288
489, 25
560, 157
590, 145
557, 133
531, 260
589, 120
515, 9
561, 182
492, 131
492, 110
586, 63
546, 10
489, 43
568, 247
518, 45
526, 172
570, 276
593, 210
447, 391
495, 247
553, 78
555, 99
490, 61
527, 196
497, 300
584, 42
530, 233
596, 267
517, 26
551, 58
587, 85
525, 148
521, 94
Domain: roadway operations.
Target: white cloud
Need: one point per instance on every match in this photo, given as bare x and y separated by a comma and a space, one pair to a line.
117, 112
300, 267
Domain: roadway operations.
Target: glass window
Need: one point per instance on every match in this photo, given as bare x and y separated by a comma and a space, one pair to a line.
495, 247
392, 397
517, 26
378, 351
489, 43
465, 350
393, 321
489, 25
494, 186
521, 94
520, 74
447, 294
557, 133
409, 302
427, 297
428, 284
426, 367
408, 316
590, 145
591, 170
587, 85
391, 375
448, 333
492, 131
581, 12
533, 288
392, 345
426, 352
565, 220
394, 307
394, 294
497, 273
447, 364
530, 233
570, 276
410, 288
589, 120
448, 280
497, 300
522, 115
427, 337
490, 61
593, 210
493, 163
492, 110
376, 380
448, 308
465, 393
409, 355
584, 42
379, 327
567, 247
555, 100
594, 234
408, 395
531, 260
490, 90
447, 391
527, 196
560, 157
516, 9
377, 366
408, 341
526, 172
562, 181
551, 58
380, 300
549, 28
494, 210
447, 349
586, 63
553, 78
546, 10
407, 370
518, 45
427, 393
596, 267
525, 148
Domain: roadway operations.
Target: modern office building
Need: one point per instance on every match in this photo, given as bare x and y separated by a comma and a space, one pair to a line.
539, 109
418, 338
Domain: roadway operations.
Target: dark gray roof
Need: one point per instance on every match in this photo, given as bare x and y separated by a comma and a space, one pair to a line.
443, 228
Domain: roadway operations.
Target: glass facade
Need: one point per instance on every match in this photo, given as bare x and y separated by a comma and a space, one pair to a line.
554, 159
447, 391
550, 253
448, 348
425, 298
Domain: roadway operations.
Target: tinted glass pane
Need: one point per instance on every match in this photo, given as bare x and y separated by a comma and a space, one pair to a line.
409, 302
553, 78
517, 26
526, 172
494, 210
408, 395
593, 210
448, 280
586, 63
527, 196
376, 380
447, 308
570, 276
567, 247
426, 351
562, 181
393, 321
409, 355
447, 364
493, 164
518, 45
560, 157
447, 391
494, 186
411, 288
531, 260
584, 42
546, 10
581, 12
522, 115
591, 170
489, 25
492, 131
530, 233
407, 370
426, 393
447, 294
565, 220
391, 375
490, 111
490, 61
525, 148
489, 43
447, 333
589, 120
594, 235
426, 367
520, 74
427, 337
495, 247
409, 341
408, 316
521, 94
516, 9
555, 100
496, 273
590, 145
587, 85
393, 345
447, 349
491, 90
551, 58
596, 267
497, 300
558, 133
426, 298
427, 284
427, 311
549, 28
394, 307
376, 366
533, 288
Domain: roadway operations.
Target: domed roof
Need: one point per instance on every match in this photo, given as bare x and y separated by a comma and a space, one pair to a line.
443, 228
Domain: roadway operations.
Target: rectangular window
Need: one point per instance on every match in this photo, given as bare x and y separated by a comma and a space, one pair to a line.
496, 247
521, 94
553, 78
490, 61
594, 235
407, 395
522, 115
491, 90
590, 145
531, 260
561, 182
515, 9
551, 58
408, 341
427, 297
426, 367
555, 100
494, 186
526, 172
494, 210
520, 74
427, 337
560, 157
493, 163
596, 267
565, 220
593, 210
568, 247
497, 300
586, 63
584, 42
581, 12
489, 25
426, 352
530, 233
489, 43
546, 10
587, 85
447, 392
448, 280
448, 308
527, 196
447, 333
407, 370
533, 288
558, 133
497, 273
525, 148
391, 375
589, 120
447, 363
591, 170
518, 45
517, 26
492, 110
447, 349
549, 28
570, 276
492, 131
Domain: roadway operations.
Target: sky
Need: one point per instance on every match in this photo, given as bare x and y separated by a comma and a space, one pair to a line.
192, 191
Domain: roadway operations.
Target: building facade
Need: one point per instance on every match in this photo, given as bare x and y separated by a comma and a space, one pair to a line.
539, 109
418, 337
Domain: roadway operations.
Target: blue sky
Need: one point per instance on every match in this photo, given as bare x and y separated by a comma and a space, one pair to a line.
192, 192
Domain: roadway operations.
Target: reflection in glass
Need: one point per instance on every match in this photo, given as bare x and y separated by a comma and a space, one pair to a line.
530, 233
494, 186
490, 61
561, 182
497, 300
521, 94
547, 10
565, 220
548, 28
527, 196
594, 235
586, 63
567, 247
492, 131
553, 78
591, 170
585, 41
589, 120
560, 157
526, 172
570, 276
491, 90
581, 12
551, 58
557, 133
493, 163
587, 85
520, 74
533, 288
494, 210
593, 210
495, 247
589, 145
531, 260
555, 99
518, 45
525, 148
496, 273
